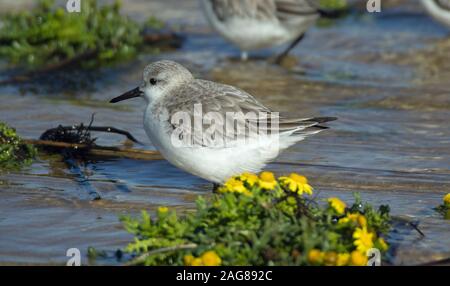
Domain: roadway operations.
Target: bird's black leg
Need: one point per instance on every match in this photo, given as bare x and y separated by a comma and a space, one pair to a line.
289, 49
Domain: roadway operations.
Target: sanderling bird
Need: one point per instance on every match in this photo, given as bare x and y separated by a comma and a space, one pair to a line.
439, 10
171, 92
257, 24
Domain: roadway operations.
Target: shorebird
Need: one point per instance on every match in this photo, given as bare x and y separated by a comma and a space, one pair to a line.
439, 10
257, 24
171, 92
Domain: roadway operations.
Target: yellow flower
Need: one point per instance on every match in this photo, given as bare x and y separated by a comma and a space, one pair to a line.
356, 218
187, 259
350, 217
163, 210
197, 262
363, 239
210, 258
382, 245
267, 181
362, 221
249, 178
447, 199
233, 186
330, 258
358, 259
315, 256
338, 205
342, 259
296, 183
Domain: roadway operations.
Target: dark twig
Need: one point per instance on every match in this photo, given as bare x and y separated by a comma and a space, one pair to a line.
415, 226
116, 131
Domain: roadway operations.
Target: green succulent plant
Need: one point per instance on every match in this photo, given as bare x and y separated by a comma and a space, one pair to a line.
260, 221
14, 153
49, 35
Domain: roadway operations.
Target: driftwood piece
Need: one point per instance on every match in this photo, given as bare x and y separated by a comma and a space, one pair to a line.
102, 151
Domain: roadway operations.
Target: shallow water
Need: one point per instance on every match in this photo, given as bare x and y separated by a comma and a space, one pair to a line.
385, 76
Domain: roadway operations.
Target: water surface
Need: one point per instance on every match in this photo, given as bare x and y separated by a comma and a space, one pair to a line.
387, 78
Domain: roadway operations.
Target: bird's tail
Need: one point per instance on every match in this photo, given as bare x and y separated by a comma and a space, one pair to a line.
303, 126
320, 120
313, 125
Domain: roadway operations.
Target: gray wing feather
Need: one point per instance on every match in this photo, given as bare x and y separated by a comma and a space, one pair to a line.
281, 10
220, 98
216, 98
255, 9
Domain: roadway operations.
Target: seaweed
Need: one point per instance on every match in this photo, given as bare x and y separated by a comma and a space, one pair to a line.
77, 159
14, 152
78, 138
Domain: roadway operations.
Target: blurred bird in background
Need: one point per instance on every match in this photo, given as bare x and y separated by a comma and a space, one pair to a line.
439, 10
257, 24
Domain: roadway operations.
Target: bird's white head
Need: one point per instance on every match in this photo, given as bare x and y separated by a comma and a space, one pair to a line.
158, 80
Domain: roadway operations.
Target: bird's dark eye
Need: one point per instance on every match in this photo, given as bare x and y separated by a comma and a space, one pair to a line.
153, 81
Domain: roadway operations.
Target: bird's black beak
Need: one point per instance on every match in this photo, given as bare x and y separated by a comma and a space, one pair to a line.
127, 95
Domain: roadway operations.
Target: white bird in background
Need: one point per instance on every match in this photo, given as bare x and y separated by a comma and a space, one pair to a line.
168, 89
257, 24
439, 10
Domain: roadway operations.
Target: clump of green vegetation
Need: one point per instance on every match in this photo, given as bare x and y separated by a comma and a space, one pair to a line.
333, 4
260, 220
444, 209
14, 153
335, 9
48, 35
